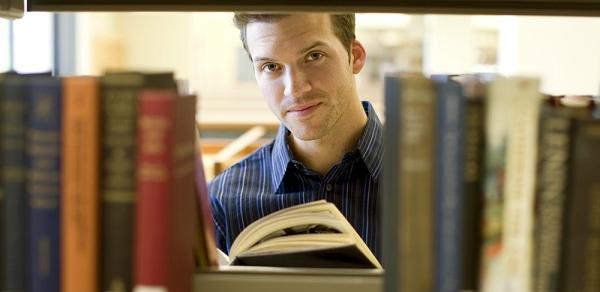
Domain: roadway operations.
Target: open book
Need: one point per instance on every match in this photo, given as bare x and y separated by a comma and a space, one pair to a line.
314, 234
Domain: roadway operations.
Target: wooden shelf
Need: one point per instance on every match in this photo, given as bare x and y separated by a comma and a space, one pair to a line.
264, 279
511, 7
11, 9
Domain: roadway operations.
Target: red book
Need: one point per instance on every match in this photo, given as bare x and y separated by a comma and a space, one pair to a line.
166, 211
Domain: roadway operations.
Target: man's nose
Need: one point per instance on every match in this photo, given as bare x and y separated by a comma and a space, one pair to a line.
296, 83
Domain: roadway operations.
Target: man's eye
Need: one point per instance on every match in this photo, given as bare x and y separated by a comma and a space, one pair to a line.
270, 67
314, 56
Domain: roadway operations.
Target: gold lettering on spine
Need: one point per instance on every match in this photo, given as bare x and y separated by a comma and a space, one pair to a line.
152, 172
472, 142
154, 130
119, 144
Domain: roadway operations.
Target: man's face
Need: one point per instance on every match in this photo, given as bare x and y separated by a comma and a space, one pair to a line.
304, 72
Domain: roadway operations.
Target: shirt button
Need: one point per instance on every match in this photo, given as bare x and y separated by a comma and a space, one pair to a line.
328, 187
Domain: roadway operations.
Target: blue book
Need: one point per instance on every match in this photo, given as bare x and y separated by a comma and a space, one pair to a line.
12, 153
449, 184
43, 187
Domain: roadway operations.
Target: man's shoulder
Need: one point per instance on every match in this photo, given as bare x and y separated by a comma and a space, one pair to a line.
253, 164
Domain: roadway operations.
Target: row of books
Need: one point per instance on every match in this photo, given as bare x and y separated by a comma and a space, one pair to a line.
98, 183
495, 188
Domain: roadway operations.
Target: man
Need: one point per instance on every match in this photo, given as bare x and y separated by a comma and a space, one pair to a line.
329, 144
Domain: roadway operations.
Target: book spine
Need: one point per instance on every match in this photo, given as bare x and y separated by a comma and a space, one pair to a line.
449, 173
520, 183
2, 220
13, 177
552, 174
391, 185
473, 192
43, 151
154, 169
582, 240
416, 180
119, 106
184, 221
207, 250
80, 184
498, 114
2, 212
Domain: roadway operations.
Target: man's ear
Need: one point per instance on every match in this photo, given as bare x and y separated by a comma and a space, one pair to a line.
359, 56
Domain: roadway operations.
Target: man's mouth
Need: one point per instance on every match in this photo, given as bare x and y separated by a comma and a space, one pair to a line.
304, 109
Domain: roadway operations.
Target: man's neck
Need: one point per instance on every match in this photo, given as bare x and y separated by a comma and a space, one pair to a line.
322, 154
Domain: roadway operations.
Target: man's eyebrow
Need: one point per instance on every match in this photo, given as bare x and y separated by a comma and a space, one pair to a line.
302, 51
260, 59
314, 45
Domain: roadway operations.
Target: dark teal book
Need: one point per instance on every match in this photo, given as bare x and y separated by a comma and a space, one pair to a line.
391, 184
43, 182
449, 175
119, 112
12, 122
2, 213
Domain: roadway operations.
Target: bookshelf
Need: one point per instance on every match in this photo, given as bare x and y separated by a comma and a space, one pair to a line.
235, 279
11, 8
291, 280
523, 7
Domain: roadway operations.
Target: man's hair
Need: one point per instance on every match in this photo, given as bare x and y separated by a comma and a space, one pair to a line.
342, 25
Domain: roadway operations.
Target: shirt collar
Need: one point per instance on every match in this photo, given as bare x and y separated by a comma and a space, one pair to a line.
281, 156
369, 146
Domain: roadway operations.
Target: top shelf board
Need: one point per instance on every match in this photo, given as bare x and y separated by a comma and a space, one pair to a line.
493, 7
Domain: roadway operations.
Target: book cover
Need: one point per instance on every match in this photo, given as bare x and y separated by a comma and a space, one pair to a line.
511, 137
12, 121
80, 199
449, 177
166, 221
500, 97
520, 183
474, 90
551, 191
43, 182
118, 118
581, 240
414, 186
2, 212
391, 185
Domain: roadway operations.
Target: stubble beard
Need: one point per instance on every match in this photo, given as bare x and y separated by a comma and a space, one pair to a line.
322, 123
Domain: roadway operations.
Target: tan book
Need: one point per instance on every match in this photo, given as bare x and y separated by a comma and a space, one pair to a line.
80, 184
512, 125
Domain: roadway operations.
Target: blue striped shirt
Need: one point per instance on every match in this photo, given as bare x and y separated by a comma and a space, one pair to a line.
271, 179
